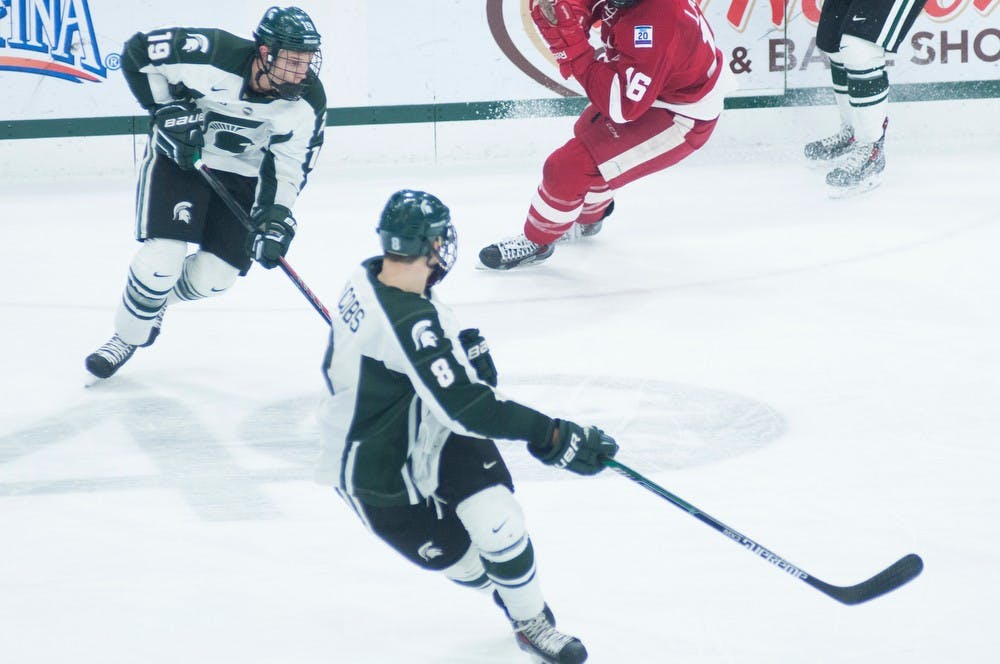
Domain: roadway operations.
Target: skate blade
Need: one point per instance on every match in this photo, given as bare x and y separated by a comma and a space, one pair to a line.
520, 266
572, 235
566, 239
91, 380
856, 190
538, 659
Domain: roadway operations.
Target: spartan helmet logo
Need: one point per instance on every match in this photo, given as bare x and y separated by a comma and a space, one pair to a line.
182, 212
423, 336
195, 42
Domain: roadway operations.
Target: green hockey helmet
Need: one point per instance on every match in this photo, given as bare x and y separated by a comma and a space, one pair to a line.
288, 29
415, 224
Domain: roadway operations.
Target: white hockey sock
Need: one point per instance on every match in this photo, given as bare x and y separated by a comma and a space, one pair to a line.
469, 571
204, 275
152, 273
496, 526
838, 73
868, 86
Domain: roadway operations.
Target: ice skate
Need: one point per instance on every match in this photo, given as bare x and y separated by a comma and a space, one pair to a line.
499, 602
541, 640
107, 359
155, 331
831, 147
860, 171
579, 231
512, 252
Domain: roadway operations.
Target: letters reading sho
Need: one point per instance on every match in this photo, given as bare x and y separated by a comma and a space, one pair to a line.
940, 10
350, 309
984, 45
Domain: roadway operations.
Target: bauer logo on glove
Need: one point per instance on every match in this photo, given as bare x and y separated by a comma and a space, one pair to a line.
195, 118
570, 453
178, 132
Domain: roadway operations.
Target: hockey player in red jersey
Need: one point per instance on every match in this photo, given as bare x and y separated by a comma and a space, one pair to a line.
655, 95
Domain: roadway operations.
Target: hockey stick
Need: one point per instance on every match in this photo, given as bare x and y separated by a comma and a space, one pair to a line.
903, 570
244, 219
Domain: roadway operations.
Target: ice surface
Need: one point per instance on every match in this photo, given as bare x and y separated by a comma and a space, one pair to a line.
821, 375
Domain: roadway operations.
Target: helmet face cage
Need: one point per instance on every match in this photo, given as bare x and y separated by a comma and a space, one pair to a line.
284, 75
289, 35
446, 253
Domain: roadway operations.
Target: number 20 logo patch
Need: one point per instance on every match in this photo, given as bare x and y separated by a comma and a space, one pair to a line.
642, 36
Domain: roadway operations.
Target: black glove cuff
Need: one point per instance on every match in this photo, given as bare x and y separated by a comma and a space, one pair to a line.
546, 450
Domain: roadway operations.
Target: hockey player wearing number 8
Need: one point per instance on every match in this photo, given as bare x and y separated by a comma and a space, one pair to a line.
856, 35
407, 428
254, 112
655, 93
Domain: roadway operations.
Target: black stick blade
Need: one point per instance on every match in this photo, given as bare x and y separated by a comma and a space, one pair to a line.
900, 572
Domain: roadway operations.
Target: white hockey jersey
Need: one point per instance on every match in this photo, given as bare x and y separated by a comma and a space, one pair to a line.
246, 133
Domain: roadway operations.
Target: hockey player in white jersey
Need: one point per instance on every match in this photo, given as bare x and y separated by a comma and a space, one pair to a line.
409, 422
254, 112
857, 35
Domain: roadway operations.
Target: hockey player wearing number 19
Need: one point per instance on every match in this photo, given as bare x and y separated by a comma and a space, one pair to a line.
407, 428
655, 92
251, 110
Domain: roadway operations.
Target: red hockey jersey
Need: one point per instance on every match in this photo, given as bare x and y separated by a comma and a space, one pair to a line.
659, 53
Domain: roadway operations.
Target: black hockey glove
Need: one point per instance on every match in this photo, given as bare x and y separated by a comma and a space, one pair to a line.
178, 133
577, 449
478, 352
275, 230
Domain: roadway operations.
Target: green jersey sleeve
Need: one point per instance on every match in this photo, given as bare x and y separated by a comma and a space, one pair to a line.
447, 384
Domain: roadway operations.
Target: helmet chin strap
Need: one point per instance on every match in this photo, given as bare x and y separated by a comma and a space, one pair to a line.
437, 269
262, 72
256, 79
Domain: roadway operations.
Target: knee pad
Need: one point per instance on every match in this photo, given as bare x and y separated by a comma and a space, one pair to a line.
860, 55
153, 272
157, 266
469, 571
495, 523
204, 275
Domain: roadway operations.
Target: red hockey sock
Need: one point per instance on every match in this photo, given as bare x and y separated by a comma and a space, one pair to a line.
595, 203
569, 175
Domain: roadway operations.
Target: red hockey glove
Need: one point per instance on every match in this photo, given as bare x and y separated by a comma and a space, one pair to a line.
567, 37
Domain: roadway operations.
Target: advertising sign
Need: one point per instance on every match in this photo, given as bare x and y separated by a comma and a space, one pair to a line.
770, 44
60, 59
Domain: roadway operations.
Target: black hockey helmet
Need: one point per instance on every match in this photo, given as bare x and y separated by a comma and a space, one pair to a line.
290, 29
622, 4
412, 223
